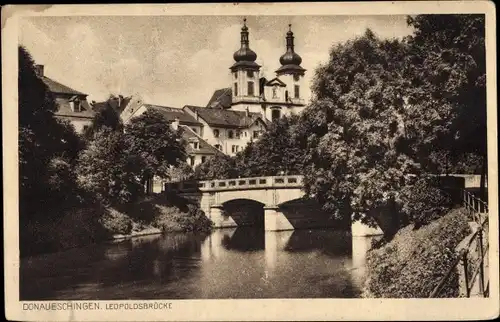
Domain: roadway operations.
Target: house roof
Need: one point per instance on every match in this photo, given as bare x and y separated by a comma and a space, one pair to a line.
221, 98
225, 118
204, 147
56, 87
64, 109
171, 113
118, 107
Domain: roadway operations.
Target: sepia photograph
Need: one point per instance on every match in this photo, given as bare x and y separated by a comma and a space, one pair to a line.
162, 156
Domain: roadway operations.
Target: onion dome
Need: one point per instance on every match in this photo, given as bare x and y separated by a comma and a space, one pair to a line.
245, 56
290, 61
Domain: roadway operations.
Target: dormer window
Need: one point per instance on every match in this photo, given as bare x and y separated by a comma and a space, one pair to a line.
195, 145
75, 104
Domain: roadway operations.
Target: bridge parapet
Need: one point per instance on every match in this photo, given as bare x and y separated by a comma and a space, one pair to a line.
295, 181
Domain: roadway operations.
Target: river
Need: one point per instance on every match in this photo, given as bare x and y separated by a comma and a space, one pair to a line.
228, 263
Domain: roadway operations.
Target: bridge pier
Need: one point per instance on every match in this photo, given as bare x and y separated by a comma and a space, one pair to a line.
275, 220
219, 218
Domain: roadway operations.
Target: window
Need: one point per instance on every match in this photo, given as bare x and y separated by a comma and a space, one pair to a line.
216, 133
191, 161
275, 91
250, 89
230, 134
256, 134
218, 147
286, 96
235, 89
234, 148
275, 114
245, 133
250, 73
195, 145
203, 159
236, 75
297, 93
238, 134
296, 77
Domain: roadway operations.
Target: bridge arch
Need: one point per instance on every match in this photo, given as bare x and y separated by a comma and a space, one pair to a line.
244, 212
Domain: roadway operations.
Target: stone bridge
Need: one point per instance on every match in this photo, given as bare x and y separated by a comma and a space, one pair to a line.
274, 202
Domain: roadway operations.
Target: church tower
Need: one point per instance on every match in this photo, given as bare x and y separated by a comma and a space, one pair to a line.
292, 74
245, 77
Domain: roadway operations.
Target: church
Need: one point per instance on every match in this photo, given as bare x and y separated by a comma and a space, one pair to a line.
271, 98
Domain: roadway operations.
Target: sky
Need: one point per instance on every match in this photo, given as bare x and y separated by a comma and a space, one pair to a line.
179, 60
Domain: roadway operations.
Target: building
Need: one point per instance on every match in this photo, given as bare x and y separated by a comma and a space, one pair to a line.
191, 129
272, 98
227, 130
72, 104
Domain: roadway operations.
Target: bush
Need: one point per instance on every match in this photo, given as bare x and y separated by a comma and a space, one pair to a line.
195, 220
116, 222
423, 202
412, 264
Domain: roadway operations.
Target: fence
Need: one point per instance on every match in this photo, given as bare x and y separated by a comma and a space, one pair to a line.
471, 263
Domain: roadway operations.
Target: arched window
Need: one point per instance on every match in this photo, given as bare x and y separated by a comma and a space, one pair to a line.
275, 114
230, 134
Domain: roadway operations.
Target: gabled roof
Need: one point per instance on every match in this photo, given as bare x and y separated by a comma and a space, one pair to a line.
221, 98
172, 113
204, 147
114, 103
56, 87
225, 118
275, 81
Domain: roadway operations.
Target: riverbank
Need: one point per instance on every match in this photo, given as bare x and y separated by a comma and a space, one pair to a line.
412, 263
82, 226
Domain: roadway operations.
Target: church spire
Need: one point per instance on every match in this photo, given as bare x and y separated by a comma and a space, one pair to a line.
290, 60
245, 57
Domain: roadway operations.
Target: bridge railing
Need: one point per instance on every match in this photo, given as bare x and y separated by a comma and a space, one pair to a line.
293, 181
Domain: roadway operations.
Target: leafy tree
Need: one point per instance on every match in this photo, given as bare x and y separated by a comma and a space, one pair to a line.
151, 137
42, 139
447, 62
181, 172
277, 151
358, 147
106, 116
109, 170
220, 166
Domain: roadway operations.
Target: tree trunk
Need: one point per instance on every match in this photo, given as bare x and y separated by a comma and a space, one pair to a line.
387, 220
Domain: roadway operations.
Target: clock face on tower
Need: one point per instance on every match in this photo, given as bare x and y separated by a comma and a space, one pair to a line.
296, 78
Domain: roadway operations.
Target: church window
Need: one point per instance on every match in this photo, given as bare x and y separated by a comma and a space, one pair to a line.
250, 89
235, 89
275, 115
250, 73
297, 91
230, 134
216, 133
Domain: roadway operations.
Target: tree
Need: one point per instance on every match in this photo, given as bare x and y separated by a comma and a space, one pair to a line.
447, 62
181, 172
109, 169
106, 116
277, 151
42, 139
220, 166
359, 148
151, 137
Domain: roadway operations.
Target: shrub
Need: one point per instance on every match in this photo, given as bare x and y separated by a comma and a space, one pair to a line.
116, 222
195, 220
423, 202
412, 264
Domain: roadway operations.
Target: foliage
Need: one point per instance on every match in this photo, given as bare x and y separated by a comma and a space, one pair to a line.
109, 170
220, 166
195, 220
181, 172
411, 265
151, 137
277, 151
116, 222
423, 201
356, 128
106, 116
42, 138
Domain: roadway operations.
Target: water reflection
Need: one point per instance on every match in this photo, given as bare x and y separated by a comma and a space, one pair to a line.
228, 263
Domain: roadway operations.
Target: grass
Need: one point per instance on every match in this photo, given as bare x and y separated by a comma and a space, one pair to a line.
415, 260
